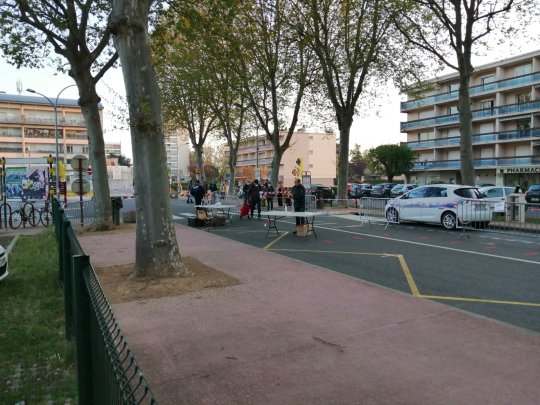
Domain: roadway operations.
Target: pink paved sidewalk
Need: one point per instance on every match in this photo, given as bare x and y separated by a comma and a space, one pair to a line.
294, 333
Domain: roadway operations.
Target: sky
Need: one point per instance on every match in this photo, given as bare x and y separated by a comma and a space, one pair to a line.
376, 127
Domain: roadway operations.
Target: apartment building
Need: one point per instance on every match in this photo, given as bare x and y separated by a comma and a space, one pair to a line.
316, 153
113, 148
177, 148
27, 128
505, 98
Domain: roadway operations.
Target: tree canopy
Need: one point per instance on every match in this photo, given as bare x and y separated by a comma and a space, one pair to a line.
391, 160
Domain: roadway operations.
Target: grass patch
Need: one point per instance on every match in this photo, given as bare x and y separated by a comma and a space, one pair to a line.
36, 361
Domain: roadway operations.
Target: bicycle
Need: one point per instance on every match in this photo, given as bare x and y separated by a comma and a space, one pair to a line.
45, 214
26, 213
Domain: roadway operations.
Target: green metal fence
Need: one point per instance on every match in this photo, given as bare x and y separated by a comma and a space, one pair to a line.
107, 372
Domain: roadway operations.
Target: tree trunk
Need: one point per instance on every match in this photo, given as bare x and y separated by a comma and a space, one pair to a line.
465, 128
276, 161
345, 121
89, 105
199, 161
156, 250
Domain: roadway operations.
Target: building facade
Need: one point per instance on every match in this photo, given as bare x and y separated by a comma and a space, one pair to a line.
309, 152
27, 128
113, 148
505, 98
177, 148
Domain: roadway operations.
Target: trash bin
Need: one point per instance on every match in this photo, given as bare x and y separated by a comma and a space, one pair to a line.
116, 203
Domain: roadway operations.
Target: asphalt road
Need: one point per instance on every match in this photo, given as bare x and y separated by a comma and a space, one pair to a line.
490, 274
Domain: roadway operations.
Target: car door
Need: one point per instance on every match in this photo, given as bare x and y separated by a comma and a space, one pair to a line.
410, 205
435, 203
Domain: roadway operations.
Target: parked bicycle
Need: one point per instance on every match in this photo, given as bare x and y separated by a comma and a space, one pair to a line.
45, 214
25, 214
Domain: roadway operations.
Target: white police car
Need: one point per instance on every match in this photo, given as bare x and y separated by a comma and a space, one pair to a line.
445, 204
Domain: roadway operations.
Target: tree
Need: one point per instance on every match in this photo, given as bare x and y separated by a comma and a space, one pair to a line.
184, 86
277, 69
122, 159
156, 250
78, 32
355, 44
451, 30
357, 164
392, 160
210, 25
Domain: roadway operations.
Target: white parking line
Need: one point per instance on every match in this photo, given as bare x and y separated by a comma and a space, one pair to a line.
434, 246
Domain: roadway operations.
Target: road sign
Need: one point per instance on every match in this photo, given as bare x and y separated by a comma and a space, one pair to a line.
79, 187
89, 171
79, 162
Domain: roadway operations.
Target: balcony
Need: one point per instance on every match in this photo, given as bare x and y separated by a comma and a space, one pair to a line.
478, 163
253, 162
532, 133
525, 80
476, 114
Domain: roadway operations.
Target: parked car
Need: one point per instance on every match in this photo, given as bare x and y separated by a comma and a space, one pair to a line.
497, 195
327, 192
532, 195
445, 204
400, 189
350, 187
382, 190
3, 263
361, 190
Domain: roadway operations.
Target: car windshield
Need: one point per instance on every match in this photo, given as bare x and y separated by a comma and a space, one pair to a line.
535, 187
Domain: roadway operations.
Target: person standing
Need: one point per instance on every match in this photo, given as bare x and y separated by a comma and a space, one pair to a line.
197, 192
269, 195
280, 196
213, 192
299, 199
254, 196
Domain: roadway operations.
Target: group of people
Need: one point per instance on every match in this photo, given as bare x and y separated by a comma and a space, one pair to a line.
254, 194
198, 191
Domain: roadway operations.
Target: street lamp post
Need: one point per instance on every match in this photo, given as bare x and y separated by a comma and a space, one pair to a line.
55, 107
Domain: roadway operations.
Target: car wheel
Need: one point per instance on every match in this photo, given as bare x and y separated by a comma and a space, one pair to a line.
449, 220
392, 215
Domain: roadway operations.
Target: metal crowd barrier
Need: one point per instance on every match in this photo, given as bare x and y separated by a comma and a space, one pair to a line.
107, 372
515, 217
80, 213
371, 209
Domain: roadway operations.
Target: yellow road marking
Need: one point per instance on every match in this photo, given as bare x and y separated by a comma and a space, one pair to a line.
408, 275
275, 240
437, 297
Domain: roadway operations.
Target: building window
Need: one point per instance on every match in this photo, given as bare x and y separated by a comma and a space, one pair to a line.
85, 149
453, 110
486, 104
69, 149
523, 70
522, 125
523, 98
487, 79
452, 87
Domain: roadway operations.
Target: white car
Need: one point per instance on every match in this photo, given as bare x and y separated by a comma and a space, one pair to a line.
3, 263
445, 204
498, 196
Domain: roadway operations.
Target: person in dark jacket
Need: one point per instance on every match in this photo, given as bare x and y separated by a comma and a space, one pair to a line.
254, 196
197, 192
299, 199
269, 192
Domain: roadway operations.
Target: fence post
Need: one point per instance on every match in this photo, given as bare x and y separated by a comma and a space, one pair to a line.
66, 277
82, 330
